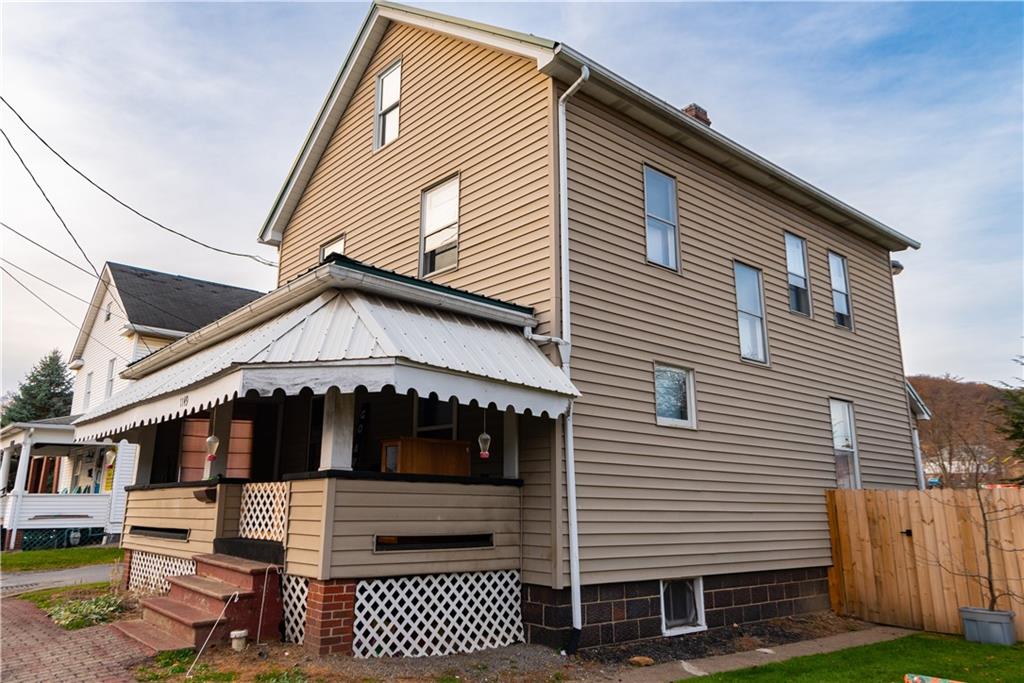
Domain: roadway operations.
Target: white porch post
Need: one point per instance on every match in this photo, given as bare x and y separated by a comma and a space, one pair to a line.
220, 426
510, 447
5, 467
338, 432
19, 486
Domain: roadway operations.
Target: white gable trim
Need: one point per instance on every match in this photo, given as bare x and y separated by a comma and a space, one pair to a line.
379, 18
105, 282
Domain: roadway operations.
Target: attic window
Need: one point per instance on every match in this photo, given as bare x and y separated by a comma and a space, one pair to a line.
389, 87
106, 316
335, 246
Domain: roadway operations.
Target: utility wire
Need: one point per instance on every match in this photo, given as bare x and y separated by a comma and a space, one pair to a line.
69, 320
47, 250
254, 257
47, 198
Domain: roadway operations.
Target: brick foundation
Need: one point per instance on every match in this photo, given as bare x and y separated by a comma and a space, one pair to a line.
126, 565
330, 612
621, 612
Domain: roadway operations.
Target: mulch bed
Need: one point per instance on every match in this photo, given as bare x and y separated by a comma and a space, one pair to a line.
729, 639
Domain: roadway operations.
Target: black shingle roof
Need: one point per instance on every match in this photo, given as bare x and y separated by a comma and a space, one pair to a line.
174, 302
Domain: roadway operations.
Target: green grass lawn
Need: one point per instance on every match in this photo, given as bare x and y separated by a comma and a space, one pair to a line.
62, 558
925, 653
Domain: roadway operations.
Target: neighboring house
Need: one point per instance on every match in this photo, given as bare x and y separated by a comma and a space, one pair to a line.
395, 423
133, 312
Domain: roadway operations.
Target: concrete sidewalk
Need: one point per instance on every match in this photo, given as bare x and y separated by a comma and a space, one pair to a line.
12, 583
694, 668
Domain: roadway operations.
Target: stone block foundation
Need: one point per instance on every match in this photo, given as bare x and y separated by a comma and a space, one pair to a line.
330, 613
622, 612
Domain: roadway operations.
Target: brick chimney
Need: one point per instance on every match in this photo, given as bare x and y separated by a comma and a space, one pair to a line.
695, 111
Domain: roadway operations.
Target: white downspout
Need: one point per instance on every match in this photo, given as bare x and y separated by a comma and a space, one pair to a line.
564, 349
918, 462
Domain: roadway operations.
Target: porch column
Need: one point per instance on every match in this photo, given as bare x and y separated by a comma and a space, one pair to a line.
5, 467
510, 447
19, 487
338, 432
220, 426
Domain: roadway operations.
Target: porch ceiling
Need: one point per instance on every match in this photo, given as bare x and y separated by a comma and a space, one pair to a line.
347, 339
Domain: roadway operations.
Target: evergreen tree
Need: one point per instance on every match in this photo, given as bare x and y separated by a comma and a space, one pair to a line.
46, 392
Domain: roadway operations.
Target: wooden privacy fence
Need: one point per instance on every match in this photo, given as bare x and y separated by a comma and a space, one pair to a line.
912, 558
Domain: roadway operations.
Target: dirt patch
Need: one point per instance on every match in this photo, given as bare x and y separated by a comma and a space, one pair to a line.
723, 641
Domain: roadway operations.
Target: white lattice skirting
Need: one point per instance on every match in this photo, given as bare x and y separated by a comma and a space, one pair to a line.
294, 596
264, 512
148, 571
438, 614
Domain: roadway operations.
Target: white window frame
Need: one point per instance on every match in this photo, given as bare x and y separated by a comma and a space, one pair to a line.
88, 390
855, 452
675, 220
328, 248
457, 178
764, 315
698, 594
691, 398
108, 390
806, 276
846, 283
379, 113
106, 317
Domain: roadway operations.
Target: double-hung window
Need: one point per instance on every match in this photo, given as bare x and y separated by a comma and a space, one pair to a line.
660, 214
796, 267
750, 313
440, 220
844, 444
840, 290
110, 379
673, 397
389, 100
106, 316
88, 391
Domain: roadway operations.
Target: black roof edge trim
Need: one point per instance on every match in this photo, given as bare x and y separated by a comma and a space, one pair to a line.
391, 476
188, 484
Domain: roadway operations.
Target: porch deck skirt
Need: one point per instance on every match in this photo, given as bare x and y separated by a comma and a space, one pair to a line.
437, 614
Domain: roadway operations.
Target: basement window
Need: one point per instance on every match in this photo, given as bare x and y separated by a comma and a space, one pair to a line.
160, 532
445, 542
682, 606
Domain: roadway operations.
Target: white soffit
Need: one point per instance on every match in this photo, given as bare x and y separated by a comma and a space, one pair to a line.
347, 339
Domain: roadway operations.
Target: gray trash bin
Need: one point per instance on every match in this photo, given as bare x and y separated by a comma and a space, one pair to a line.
994, 627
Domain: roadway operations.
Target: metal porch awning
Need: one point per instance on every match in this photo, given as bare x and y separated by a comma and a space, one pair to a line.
347, 339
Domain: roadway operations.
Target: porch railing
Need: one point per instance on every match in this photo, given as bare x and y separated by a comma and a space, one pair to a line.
264, 511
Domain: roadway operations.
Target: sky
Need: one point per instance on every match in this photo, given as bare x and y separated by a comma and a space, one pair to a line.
193, 113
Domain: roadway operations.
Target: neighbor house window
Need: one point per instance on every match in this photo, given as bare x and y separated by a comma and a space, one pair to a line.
840, 290
662, 224
336, 246
106, 315
440, 219
750, 313
673, 397
88, 391
682, 606
110, 379
844, 444
796, 266
389, 87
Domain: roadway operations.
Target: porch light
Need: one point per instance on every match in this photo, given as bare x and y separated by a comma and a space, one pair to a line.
212, 444
485, 442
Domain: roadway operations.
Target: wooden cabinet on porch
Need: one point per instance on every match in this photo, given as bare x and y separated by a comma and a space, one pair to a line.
416, 455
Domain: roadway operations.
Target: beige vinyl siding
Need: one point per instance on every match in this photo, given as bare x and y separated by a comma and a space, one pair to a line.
365, 508
537, 452
465, 109
744, 491
105, 342
146, 344
304, 547
175, 508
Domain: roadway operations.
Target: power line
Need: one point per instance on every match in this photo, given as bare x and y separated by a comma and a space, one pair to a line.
47, 250
254, 257
67, 319
47, 198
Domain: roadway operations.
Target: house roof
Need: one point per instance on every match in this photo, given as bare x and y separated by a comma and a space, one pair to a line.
346, 338
560, 61
63, 422
917, 404
162, 304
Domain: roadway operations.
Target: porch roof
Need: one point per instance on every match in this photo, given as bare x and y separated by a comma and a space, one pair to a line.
347, 338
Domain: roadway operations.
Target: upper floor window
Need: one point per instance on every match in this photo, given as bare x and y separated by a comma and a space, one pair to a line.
844, 444
88, 391
106, 315
660, 215
840, 290
440, 231
389, 88
335, 246
750, 313
110, 379
796, 266
673, 396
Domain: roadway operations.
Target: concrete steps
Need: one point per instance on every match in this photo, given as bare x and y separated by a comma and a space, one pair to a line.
228, 587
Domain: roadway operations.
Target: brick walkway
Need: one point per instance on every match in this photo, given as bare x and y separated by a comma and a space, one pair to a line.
33, 649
